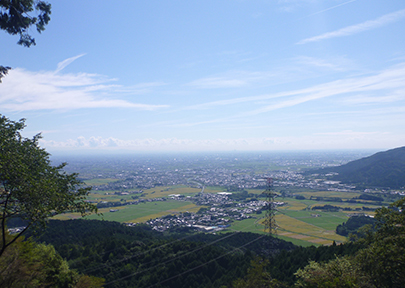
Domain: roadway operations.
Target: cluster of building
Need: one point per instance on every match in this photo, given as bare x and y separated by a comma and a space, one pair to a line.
220, 214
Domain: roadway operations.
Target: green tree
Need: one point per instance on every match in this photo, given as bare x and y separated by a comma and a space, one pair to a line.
17, 16
258, 277
384, 257
27, 264
338, 273
30, 187
3, 71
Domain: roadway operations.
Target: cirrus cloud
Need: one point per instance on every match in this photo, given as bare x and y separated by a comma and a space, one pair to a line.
354, 29
24, 90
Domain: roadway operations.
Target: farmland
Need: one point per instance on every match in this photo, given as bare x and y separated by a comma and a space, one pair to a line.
146, 188
296, 220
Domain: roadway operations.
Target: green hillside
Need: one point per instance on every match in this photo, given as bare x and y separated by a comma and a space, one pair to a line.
383, 169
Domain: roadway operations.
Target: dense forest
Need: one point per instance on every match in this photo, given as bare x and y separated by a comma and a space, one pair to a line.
383, 169
140, 257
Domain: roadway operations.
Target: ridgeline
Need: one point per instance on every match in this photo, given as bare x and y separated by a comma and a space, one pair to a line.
383, 169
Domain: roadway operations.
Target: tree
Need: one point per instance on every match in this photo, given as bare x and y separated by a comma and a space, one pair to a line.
17, 16
258, 277
3, 71
384, 257
28, 264
30, 187
338, 273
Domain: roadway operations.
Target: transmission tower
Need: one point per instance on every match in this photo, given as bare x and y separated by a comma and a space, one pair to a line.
269, 221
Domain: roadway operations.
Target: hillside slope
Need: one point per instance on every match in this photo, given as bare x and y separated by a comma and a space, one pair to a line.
383, 169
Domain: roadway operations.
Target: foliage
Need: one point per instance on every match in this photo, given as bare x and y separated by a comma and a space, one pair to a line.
284, 265
258, 277
30, 187
384, 257
140, 257
338, 273
383, 169
112, 250
27, 264
380, 263
353, 224
17, 16
4, 71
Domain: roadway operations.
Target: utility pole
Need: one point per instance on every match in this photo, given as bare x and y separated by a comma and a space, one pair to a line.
270, 221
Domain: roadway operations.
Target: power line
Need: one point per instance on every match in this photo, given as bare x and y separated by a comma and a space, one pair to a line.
138, 272
199, 266
128, 258
175, 258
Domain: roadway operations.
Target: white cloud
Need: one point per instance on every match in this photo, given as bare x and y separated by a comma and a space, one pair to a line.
332, 140
330, 8
24, 90
66, 62
354, 29
232, 79
391, 81
332, 64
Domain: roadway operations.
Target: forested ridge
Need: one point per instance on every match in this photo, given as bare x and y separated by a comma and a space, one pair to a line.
140, 257
383, 169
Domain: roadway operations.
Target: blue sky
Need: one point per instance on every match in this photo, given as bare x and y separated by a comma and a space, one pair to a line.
211, 76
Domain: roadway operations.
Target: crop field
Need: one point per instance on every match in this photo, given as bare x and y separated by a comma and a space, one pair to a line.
313, 233
213, 189
97, 181
138, 213
324, 220
342, 195
296, 220
159, 192
248, 225
301, 225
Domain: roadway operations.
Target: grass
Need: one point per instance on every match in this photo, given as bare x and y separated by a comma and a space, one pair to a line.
326, 220
248, 225
297, 223
298, 229
138, 213
99, 181
159, 192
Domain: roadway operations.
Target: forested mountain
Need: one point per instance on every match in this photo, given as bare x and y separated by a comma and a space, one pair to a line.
383, 169
140, 257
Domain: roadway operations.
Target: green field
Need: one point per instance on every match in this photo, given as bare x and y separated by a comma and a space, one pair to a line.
138, 213
296, 220
97, 181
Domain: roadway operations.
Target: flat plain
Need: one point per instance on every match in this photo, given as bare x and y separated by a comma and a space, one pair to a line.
296, 220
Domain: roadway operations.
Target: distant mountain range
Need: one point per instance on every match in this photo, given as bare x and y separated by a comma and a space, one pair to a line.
383, 169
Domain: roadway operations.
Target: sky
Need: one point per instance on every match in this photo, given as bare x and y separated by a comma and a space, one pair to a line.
228, 75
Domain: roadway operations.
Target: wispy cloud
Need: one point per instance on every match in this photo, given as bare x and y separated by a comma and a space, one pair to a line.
24, 90
64, 63
327, 9
333, 64
391, 82
354, 29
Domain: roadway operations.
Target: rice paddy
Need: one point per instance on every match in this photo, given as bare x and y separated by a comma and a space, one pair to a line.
296, 220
